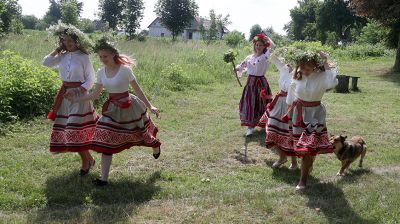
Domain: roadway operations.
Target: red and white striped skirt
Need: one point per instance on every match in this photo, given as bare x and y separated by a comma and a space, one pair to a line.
124, 124
278, 131
74, 126
252, 105
310, 134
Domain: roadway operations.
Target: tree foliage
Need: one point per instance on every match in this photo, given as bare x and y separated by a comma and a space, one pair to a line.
387, 13
29, 21
313, 20
254, 30
111, 11
54, 13
133, 15
176, 15
70, 12
10, 13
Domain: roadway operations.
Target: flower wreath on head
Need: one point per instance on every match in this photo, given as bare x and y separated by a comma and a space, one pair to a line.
104, 43
263, 38
83, 42
296, 56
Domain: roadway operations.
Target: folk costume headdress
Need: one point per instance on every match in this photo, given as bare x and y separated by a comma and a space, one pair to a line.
106, 44
263, 38
83, 42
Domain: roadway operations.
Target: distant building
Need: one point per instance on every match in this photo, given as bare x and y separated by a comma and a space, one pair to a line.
157, 29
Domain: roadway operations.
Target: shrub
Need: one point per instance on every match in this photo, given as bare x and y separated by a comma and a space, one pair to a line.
174, 78
359, 51
26, 89
373, 33
312, 46
234, 38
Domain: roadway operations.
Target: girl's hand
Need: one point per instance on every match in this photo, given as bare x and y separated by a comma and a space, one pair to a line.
70, 93
324, 56
155, 111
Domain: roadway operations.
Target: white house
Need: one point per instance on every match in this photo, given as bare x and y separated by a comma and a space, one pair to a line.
157, 29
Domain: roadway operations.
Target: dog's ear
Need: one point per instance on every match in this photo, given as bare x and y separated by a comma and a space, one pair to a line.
345, 137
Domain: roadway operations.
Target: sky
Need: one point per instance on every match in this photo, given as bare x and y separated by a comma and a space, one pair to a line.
244, 14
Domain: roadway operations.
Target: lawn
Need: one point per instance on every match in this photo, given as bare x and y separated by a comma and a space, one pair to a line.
203, 175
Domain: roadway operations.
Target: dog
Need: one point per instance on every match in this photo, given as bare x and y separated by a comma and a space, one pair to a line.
347, 151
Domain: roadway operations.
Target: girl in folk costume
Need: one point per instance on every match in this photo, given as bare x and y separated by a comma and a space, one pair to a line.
278, 132
312, 78
125, 122
252, 104
74, 122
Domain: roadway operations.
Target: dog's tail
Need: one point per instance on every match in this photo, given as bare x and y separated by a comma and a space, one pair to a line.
359, 140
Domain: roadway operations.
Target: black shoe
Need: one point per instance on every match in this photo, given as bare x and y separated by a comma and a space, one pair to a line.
83, 172
100, 183
156, 156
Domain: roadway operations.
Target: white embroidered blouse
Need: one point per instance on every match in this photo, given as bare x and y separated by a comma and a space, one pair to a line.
285, 77
255, 66
313, 87
117, 84
73, 67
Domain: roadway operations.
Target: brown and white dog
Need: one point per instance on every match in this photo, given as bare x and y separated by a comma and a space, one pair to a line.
347, 151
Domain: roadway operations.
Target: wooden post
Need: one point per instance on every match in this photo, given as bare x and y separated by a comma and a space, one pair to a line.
343, 86
354, 81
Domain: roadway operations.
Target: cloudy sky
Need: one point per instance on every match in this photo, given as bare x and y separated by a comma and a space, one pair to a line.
243, 13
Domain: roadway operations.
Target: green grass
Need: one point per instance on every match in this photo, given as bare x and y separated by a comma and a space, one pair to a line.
202, 176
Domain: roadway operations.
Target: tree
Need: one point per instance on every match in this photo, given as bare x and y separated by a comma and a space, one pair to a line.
387, 13
111, 11
303, 16
335, 16
373, 33
87, 25
213, 30
202, 29
29, 21
234, 38
70, 12
254, 30
10, 13
176, 15
133, 15
53, 14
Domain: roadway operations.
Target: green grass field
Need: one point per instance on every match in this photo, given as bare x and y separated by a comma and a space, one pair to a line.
203, 176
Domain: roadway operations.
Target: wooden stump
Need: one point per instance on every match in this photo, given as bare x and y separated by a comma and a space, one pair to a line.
354, 81
343, 86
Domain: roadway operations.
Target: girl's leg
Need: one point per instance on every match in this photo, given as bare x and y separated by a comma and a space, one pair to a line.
305, 170
105, 166
294, 165
282, 158
86, 159
156, 152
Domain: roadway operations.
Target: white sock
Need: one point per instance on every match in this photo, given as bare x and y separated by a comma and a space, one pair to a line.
105, 166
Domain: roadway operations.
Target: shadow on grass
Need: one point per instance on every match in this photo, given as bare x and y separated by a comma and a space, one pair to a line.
74, 199
242, 156
392, 77
353, 175
324, 197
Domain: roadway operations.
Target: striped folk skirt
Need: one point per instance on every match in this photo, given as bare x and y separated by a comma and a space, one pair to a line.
310, 134
278, 131
122, 127
252, 105
74, 126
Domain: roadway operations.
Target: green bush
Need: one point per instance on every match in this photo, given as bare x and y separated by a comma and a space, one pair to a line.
312, 46
26, 89
360, 51
174, 78
373, 33
234, 38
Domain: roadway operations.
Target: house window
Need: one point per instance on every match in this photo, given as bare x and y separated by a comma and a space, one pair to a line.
190, 35
162, 34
